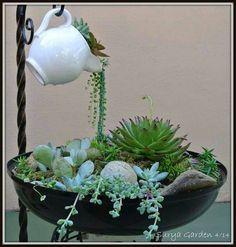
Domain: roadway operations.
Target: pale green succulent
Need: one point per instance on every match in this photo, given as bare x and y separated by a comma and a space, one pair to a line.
80, 150
152, 139
77, 144
84, 171
44, 155
61, 167
152, 174
77, 150
64, 161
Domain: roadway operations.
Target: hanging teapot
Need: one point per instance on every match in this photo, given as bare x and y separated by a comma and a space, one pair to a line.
59, 55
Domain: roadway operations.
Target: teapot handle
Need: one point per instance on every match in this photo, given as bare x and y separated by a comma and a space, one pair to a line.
47, 18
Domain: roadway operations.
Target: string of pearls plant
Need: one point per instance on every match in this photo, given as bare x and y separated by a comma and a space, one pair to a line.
97, 81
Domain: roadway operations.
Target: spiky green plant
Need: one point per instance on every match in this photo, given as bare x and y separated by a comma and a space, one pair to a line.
82, 27
152, 139
95, 46
208, 164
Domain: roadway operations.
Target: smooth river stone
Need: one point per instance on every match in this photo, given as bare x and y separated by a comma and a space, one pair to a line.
119, 168
188, 181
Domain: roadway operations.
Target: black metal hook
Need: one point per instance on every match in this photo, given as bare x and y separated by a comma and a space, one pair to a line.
30, 27
28, 24
60, 11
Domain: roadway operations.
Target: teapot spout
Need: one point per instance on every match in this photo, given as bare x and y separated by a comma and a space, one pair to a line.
93, 64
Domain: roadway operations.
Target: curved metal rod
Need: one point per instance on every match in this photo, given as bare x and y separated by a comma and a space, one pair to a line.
30, 27
28, 24
56, 236
60, 11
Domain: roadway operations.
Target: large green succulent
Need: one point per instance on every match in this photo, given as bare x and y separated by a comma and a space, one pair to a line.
152, 139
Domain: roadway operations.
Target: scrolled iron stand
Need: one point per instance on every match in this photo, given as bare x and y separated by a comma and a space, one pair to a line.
21, 41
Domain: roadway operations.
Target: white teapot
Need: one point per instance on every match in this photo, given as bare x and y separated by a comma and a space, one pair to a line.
58, 55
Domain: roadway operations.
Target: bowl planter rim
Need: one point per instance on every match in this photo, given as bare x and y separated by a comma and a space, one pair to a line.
178, 210
180, 196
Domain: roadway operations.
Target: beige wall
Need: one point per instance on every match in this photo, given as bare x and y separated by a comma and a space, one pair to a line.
177, 54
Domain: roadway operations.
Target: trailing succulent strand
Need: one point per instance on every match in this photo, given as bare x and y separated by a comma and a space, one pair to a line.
102, 102
66, 223
150, 195
144, 138
118, 190
96, 82
93, 86
97, 103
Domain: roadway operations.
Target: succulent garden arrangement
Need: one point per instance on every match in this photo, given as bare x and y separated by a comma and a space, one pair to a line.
142, 158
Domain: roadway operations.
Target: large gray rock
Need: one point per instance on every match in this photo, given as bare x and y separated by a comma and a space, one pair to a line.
188, 181
119, 168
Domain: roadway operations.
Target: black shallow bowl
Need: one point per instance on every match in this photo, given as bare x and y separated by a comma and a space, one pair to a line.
177, 209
